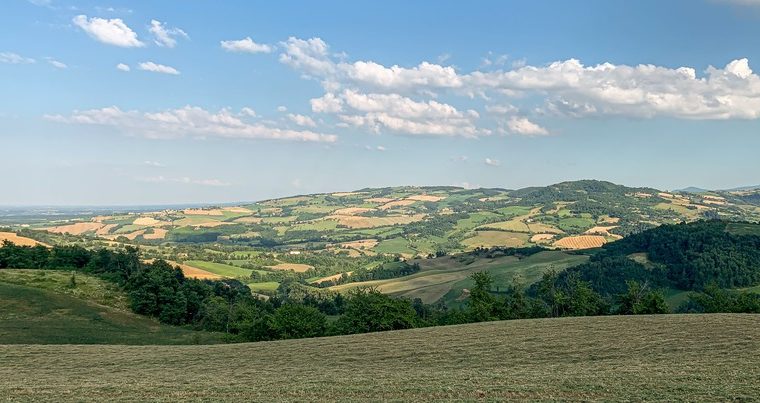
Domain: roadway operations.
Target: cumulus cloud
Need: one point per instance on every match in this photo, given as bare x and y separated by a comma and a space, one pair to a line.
187, 121
157, 68
566, 88
15, 58
109, 31
492, 162
164, 36
301, 120
521, 125
282, 108
245, 45
122, 67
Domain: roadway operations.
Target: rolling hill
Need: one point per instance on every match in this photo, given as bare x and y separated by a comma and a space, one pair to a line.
665, 357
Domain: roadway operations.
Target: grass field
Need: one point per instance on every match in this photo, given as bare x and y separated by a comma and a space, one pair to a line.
617, 358
87, 287
39, 316
221, 269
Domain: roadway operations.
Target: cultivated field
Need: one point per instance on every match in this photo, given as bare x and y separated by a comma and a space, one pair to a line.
617, 358
18, 240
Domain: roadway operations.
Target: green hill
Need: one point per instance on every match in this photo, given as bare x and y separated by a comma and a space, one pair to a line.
632, 358
39, 307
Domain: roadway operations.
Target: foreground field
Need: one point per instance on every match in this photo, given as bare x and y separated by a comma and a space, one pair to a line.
669, 357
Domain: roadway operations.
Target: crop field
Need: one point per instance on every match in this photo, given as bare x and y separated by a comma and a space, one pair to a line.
581, 242
220, 269
489, 239
632, 358
296, 267
18, 240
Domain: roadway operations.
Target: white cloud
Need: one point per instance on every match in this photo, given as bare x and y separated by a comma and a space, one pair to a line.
328, 103
381, 148
282, 108
157, 68
164, 36
246, 111
492, 162
184, 180
501, 109
154, 164
57, 64
122, 67
245, 45
521, 125
15, 58
301, 120
187, 121
109, 31
567, 88
460, 158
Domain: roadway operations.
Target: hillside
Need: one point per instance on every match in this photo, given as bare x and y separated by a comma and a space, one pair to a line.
40, 307
667, 357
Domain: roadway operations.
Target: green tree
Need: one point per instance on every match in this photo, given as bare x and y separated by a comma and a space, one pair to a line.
295, 321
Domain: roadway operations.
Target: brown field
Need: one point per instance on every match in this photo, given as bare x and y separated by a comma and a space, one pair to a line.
212, 224
490, 239
296, 267
371, 222
238, 210
149, 222
516, 225
379, 200
600, 230
158, 233
581, 242
198, 211
716, 202
541, 237
429, 198
106, 229
344, 194
360, 244
101, 218
18, 240
609, 220
351, 211
76, 228
330, 278
397, 203
718, 198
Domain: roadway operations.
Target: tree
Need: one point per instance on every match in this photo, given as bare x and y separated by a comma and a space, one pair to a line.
481, 301
367, 310
639, 300
295, 321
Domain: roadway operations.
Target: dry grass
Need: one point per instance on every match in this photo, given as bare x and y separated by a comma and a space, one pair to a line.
428, 198
238, 210
249, 220
616, 358
581, 242
18, 240
330, 278
296, 267
360, 244
541, 237
488, 239
537, 227
158, 233
344, 194
106, 229
397, 203
351, 211
371, 222
149, 222
198, 211
77, 228
379, 200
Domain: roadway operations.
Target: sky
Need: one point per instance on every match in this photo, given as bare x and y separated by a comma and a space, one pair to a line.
146, 102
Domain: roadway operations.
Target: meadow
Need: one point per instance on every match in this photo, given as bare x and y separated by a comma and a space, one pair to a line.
633, 358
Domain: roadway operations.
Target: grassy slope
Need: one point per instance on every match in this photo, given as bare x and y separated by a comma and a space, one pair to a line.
669, 357
41, 308
220, 268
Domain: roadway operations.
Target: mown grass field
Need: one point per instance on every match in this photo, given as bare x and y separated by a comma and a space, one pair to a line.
665, 358
221, 269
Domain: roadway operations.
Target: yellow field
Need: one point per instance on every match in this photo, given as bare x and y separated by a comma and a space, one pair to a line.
18, 240
581, 242
149, 222
514, 224
330, 278
541, 237
158, 233
192, 272
77, 228
537, 227
351, 211
238, 210
106, 229
429, 198
344, 194
249, 220
489, 239
360, 244
296, 267
379, 200
198, 211
397, 203
371, 222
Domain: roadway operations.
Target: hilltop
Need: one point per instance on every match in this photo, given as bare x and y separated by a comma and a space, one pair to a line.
665, 357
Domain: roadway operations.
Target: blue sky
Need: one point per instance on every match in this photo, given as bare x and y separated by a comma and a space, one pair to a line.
145, 102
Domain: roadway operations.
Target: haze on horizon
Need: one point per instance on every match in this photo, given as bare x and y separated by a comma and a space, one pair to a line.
145, 103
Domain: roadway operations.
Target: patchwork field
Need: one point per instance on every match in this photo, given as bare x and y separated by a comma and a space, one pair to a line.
616, 358
18, 240
581, 242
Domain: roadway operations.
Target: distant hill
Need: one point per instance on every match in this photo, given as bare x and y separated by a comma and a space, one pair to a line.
692, 189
